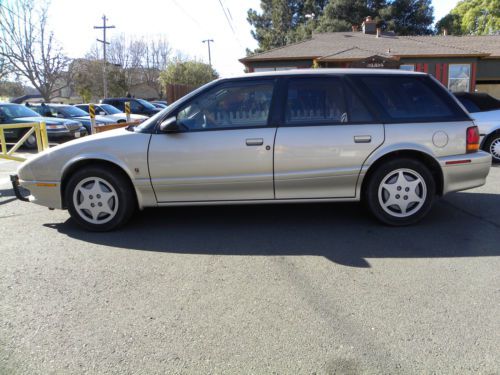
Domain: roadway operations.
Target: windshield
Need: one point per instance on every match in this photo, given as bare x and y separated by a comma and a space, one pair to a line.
17, 111
146, 104
71, 111
110, 110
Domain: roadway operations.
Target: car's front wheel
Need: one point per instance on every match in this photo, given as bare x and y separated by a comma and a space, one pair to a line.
99, 198
30, 143
400, 192
492, 145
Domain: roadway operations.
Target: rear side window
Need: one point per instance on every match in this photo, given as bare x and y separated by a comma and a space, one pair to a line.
321, 101
471, 107
406, 99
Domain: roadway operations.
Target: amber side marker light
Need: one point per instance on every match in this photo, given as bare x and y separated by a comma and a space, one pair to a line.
472, 139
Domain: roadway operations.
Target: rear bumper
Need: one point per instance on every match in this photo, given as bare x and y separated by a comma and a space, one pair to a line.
66, 135
462, 172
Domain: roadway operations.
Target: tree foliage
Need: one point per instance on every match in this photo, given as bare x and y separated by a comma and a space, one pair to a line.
87, 79
474, 17
191, 72
29, 48
281, 22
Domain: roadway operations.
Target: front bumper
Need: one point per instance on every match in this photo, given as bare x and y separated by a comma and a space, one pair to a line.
462, 172
44, 193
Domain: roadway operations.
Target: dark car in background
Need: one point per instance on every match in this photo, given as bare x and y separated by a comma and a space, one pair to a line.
71, 112
137, 106
58, 129
160, 104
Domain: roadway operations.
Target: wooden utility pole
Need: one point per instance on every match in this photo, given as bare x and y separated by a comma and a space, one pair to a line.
104, 42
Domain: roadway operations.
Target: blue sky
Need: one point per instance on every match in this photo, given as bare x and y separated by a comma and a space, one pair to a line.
185, 23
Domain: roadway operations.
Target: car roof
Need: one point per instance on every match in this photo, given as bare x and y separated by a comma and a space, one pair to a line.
333, 71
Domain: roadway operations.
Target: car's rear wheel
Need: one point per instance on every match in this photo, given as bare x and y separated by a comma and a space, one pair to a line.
492, 145
400, 192
100, 198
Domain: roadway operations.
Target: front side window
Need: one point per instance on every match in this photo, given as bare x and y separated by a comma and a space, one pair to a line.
409, 98
229, 106
459, 77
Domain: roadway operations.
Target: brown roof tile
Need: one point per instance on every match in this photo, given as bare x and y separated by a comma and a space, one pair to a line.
354, 45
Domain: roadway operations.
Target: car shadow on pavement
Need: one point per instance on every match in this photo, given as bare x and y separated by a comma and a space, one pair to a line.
344, 233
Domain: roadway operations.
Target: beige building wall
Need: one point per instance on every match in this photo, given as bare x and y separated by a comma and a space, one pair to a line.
492, 89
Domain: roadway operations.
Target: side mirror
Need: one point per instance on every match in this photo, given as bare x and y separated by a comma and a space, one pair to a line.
102, 113
171, 125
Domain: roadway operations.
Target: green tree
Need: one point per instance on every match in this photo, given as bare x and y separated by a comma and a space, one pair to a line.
278, 22
408, 17
192, 73
476, 17
340, 15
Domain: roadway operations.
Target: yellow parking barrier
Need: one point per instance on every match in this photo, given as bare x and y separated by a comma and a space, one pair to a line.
127, 110
40, 131
92, 119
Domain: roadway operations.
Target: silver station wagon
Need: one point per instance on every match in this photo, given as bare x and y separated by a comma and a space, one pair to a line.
393, 139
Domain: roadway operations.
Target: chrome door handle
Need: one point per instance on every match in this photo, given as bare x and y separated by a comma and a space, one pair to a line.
255, 141
362, 138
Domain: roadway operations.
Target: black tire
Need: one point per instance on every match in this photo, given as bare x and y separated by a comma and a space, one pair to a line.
30, 143
109, 179
121, 121
423, 195
493, 140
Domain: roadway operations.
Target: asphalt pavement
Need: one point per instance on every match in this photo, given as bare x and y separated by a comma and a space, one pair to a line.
283, 289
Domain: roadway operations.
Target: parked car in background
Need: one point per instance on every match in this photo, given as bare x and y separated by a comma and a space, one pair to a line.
160, 104
111, 113
58, 130
485, 110
71, 112
137, 106
393, 139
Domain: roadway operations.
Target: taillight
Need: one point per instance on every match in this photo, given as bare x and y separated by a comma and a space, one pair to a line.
472, 139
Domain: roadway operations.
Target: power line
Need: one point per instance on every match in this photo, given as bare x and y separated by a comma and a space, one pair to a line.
229, 18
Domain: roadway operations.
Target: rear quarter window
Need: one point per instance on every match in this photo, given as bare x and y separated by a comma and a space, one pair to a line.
411, 99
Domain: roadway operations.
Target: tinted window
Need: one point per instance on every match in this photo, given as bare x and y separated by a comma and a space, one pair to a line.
323, 101
471, 107
17, 111
119, 105
229, 106
84, 108
315, 101
410, 98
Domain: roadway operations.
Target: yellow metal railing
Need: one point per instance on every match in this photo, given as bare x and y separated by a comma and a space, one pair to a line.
40, 131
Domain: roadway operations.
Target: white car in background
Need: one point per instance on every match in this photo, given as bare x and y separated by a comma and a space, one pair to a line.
485, 111
111, 112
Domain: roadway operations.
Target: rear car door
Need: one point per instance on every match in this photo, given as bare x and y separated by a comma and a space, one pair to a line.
225, 152
326, 134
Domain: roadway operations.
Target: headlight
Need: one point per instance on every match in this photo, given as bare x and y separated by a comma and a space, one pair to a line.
56, 126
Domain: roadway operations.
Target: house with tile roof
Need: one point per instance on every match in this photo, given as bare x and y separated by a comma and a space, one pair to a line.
462, 63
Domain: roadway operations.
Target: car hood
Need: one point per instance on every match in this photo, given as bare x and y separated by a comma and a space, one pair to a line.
47, 120
121, 147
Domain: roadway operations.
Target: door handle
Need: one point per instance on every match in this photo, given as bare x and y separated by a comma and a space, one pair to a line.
255, 141
362, 138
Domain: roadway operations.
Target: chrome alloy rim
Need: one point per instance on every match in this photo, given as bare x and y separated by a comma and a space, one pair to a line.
402, 192
95, 200
495, 148
31, 140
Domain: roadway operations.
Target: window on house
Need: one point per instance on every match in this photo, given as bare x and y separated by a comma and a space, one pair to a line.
459, 77
407, 67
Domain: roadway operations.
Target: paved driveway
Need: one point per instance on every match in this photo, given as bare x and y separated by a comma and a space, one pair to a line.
287, 289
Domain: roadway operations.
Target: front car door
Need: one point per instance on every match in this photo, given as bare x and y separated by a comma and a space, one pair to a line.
325, 136
225, 152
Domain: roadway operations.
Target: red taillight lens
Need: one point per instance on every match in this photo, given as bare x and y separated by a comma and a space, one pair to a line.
472, 139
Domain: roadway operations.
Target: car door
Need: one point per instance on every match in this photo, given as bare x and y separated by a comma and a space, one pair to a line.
224, 153
326, 134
